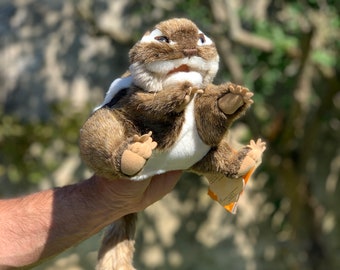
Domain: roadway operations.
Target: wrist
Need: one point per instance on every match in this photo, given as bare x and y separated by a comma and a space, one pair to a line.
113, 195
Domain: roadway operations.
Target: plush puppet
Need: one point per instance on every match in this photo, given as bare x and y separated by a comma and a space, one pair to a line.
165, 114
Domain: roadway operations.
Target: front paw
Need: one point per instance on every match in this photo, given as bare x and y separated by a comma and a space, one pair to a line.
137, 153
190, 92
253, 157
235, 98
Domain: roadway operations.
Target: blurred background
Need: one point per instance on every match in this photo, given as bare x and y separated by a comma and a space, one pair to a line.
58, 58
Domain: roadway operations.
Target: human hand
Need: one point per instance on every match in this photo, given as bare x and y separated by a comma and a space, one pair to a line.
134, 196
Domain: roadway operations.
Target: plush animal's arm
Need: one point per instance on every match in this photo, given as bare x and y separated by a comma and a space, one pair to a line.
217, 108
229, 162
172, 99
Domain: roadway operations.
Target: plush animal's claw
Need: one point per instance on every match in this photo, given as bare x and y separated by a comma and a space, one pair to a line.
142, 145
259, 145
189, 94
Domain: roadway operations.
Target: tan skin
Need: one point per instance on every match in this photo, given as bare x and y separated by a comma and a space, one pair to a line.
38, 226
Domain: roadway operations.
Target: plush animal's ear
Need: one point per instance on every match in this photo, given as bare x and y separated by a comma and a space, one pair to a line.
151, 36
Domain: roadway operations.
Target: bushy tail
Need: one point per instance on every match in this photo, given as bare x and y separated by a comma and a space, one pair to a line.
116, 251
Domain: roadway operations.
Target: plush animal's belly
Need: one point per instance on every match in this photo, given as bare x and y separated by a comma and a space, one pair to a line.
188, 149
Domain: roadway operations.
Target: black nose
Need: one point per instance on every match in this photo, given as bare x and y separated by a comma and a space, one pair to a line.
190, 52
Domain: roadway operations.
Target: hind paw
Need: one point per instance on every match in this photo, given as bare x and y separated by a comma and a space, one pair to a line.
137, 153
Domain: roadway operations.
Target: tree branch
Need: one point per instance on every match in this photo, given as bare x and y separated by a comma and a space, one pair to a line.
223, 44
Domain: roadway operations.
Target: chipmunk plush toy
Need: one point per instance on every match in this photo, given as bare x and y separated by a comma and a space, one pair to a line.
165, 114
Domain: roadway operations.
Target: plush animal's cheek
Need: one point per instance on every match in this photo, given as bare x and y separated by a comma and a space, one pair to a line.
208, 53
150, 52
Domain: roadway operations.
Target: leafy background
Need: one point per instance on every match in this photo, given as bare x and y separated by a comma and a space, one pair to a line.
59, 57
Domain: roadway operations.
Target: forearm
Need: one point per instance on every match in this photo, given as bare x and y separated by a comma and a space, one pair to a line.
44, 224
160, 103
41, 225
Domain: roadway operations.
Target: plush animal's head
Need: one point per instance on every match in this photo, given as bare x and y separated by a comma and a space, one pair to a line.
174, 51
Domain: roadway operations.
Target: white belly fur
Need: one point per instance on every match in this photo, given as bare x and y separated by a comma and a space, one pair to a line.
188, 150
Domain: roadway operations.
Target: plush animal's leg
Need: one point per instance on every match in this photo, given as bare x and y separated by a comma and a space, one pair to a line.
229, 162
102, 141
137, 153
116, 251
112, 147
227, 171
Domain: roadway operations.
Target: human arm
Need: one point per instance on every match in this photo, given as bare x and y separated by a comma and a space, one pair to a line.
43, 224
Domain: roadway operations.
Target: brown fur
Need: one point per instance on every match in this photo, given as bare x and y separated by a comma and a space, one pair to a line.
121, 236
100, 153
119, 138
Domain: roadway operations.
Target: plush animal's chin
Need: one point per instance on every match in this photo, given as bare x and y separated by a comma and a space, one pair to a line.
183, 73
169, 67
195, 78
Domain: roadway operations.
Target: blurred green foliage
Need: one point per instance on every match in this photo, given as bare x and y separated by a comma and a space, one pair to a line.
33, 150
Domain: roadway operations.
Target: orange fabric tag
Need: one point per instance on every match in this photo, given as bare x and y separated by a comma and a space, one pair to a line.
226, 190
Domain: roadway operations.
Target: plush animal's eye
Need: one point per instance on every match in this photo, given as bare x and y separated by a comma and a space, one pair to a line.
162, 39
201, 38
